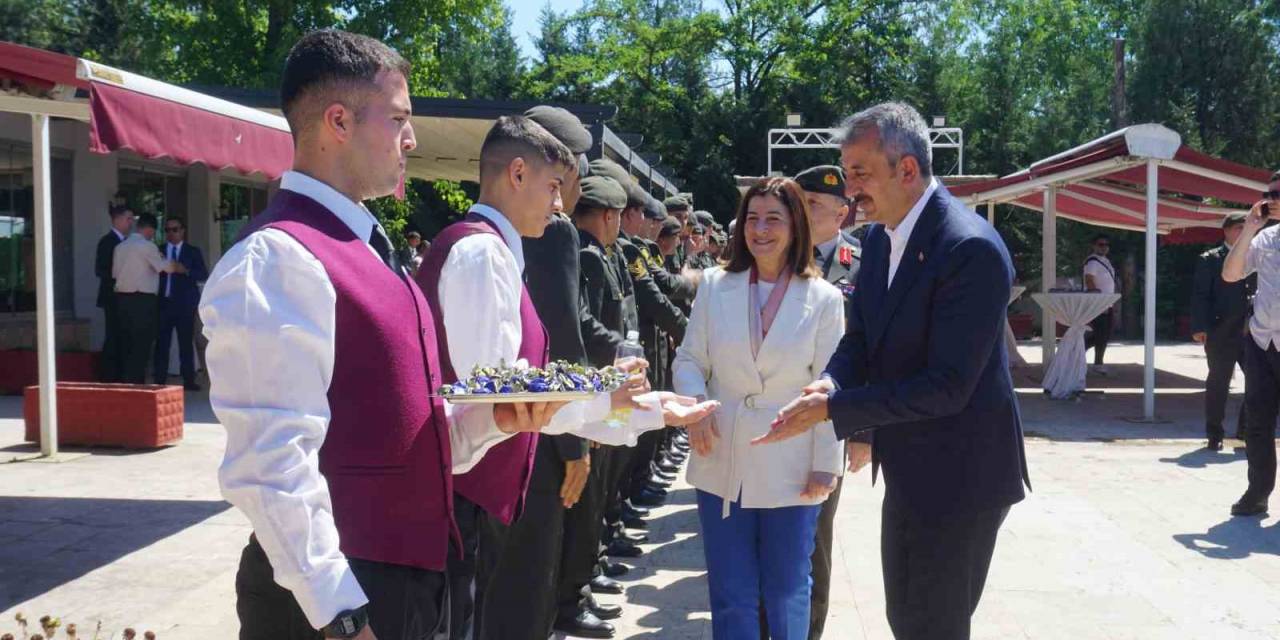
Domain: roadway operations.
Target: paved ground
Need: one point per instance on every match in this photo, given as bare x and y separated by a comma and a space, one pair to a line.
1127, 535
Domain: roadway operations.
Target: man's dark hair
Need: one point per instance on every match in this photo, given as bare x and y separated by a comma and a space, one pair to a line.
1100, 236
329, 66
146, 221
513, 137
413, 235
117, 210
181, 224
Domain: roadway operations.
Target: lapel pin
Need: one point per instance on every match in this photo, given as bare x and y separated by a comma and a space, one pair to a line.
920, 257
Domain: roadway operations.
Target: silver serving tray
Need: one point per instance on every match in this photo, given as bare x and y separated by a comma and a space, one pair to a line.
526, 396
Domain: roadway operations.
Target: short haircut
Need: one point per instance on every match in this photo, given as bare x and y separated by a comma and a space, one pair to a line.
180, 222
1100, 236
513, 137
584, 210
413, 235
800, 252
329, 66
900, 128
146, 221
117, 210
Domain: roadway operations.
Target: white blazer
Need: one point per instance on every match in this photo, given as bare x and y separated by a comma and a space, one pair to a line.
715, 360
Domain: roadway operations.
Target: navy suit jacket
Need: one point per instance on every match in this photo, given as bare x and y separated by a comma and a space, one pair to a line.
185, 293
924, 365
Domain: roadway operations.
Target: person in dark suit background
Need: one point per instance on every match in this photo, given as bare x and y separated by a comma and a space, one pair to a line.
924, 365
1219, 310
179, 298
111, 367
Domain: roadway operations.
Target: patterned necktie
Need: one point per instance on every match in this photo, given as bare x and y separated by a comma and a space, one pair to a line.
382, 245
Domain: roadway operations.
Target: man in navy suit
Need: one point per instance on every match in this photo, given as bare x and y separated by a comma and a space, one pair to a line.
924, 365
179, 297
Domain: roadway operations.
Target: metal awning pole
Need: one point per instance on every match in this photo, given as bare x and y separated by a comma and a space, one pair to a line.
1048, 272
991, 213
45, 328
1149, 297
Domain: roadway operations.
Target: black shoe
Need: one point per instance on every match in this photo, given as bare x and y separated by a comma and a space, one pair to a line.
613, 569
665, 476
1215, 444
653, 487
1249, 506
634, 523
668, 466
623, 549
604, 584
655, 481
586, 625
603, 611
631, 510
634, 538
648, 498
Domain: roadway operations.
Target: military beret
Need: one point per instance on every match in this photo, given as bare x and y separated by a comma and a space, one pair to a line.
698, 230
636, 196
670, 227
676, 203
562, 124
602, 193
1232, 220
828, 179
654, 210
705, 218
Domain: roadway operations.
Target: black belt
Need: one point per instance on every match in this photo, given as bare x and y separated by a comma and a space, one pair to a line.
136, 293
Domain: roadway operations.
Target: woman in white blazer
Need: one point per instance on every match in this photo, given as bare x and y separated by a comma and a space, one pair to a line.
762, 328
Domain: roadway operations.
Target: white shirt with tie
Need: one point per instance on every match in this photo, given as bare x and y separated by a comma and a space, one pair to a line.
269, 389
172, 252
899, 236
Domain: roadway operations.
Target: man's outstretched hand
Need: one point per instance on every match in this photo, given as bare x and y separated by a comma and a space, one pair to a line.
800, 414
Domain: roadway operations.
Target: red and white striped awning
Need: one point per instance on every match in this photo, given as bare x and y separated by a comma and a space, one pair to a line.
1103, 182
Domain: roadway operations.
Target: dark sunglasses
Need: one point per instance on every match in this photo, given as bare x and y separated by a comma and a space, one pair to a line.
1271, 195
172, 229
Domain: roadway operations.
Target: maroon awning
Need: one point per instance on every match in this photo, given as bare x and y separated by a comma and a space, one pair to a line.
155, 119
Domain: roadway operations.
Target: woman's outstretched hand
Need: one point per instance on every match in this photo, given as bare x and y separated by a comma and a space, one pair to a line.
703, 435
678, 410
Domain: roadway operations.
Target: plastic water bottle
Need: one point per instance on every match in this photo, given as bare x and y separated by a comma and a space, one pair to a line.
629, 351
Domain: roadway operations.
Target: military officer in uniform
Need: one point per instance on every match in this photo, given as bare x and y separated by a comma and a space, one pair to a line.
839, 260
608, 312
678, 208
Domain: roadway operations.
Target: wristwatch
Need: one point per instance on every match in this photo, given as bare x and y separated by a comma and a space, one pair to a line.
348, 624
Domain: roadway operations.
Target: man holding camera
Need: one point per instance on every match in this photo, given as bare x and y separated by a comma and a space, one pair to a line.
1258, 251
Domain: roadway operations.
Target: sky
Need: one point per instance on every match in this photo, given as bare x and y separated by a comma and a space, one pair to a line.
525, 19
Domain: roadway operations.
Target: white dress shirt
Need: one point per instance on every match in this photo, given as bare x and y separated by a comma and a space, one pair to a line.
137, 264
1103, 273
1264, 259
269, 315
479, 292
900, 236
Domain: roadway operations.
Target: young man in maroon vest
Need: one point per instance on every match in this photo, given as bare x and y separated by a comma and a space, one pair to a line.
323, 362
473, 281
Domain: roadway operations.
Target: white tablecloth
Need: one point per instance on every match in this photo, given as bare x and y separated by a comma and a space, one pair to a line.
1010, 340
1065, 375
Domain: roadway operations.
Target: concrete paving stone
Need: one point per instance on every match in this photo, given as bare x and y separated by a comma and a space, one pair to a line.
1126, 535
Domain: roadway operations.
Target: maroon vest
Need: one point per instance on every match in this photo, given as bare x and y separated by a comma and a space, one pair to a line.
386, 453
499, 481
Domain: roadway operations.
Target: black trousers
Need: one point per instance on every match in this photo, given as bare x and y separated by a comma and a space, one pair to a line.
138, 314
111, 366
182, 319
641, 467
935, 569
1101, 335
405, 603
519, 601
463, 568
1223, 349
619, 469
1262, 403
583, 526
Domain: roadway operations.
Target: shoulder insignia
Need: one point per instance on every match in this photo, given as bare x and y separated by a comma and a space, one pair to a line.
638, 268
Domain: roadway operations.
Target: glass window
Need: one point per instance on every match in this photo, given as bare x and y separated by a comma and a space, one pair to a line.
17, 230
239, 202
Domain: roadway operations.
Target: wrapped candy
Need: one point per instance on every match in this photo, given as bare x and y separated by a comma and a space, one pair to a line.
559, 376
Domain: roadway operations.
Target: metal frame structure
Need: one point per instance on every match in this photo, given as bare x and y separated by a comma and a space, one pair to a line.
801, 138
